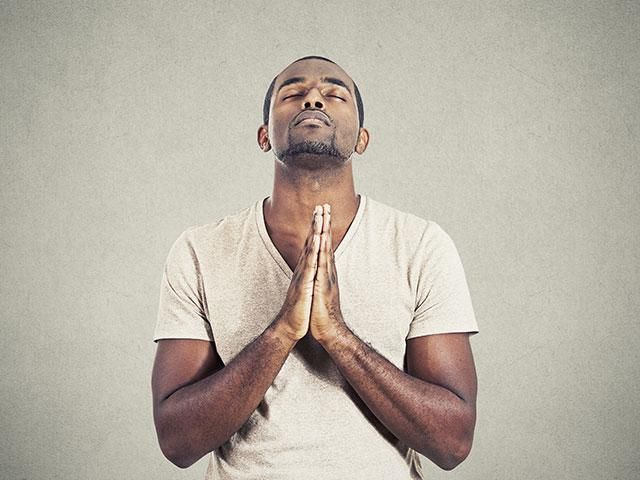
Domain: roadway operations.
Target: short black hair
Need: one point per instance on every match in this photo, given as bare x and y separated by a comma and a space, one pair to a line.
267, 98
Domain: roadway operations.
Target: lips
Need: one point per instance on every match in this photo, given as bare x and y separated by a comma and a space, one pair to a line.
312, 114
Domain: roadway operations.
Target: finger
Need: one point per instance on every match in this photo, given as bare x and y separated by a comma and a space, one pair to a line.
326, 219
330, 254
314, 245
312, 258
317, 215
322, 257
329, 233
328, 246
331, 267
326, 227
306, 246
326, 213
315, 225
309, 254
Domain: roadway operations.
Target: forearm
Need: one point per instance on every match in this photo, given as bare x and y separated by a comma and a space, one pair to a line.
198, 418
429, 418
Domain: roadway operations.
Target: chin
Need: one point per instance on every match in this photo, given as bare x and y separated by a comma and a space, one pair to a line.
313, 161
313, 154
312, 147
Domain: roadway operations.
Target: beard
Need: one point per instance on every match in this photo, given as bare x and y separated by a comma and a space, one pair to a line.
312, 154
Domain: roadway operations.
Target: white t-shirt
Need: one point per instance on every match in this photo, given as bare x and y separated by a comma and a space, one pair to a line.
399, 277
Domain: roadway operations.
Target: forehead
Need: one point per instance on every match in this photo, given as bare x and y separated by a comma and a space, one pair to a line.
313, 69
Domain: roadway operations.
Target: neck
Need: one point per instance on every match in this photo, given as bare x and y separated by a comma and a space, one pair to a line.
296, 192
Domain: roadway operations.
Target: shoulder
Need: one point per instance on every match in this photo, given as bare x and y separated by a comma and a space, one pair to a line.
216, 236
222, 229
404, 227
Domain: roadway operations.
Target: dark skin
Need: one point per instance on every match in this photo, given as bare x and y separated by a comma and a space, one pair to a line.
199, 402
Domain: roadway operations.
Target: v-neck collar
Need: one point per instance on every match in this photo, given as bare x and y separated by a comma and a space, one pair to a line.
268, 243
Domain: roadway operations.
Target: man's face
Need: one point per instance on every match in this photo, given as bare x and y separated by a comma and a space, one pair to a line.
313, 121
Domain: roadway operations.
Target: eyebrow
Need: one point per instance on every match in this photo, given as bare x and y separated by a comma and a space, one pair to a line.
335, 81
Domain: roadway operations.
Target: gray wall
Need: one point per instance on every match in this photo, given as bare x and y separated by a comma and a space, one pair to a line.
513, 125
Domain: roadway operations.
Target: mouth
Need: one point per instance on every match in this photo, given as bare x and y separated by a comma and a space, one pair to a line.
312, 117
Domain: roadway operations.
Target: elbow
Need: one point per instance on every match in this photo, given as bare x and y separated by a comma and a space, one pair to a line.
180, 462
178, 456
456, 446
174, 445
452, 448
454, 455
179, 449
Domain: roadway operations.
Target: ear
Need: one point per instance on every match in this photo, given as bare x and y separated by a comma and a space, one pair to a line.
363, 141
263, 138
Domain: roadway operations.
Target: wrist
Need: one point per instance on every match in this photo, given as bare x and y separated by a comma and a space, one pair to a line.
280, 331
336, 338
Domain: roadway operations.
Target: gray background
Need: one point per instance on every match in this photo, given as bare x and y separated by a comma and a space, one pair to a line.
513, 125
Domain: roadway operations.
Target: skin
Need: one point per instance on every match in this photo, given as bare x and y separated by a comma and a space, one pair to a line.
199, 402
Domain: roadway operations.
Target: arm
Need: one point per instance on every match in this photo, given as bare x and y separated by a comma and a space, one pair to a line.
432, 407
199, 403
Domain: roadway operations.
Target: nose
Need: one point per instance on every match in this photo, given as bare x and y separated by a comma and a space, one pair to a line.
313, 99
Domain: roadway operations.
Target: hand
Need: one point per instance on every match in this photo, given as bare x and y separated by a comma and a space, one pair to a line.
295, 312
326, 320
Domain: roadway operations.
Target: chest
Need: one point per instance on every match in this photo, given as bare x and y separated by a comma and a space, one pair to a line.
244, 298
290, 247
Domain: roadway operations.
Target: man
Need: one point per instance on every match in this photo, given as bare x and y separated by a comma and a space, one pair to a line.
318, 333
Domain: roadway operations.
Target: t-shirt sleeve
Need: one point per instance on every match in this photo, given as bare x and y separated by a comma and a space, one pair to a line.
443, 303
182, 311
